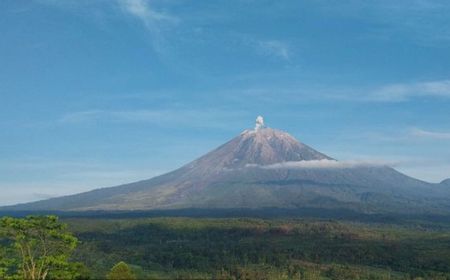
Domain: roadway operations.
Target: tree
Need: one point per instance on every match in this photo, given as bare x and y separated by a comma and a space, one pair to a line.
7, 263
42, 245
121, 271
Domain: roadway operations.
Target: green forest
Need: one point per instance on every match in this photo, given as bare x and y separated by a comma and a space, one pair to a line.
220, 248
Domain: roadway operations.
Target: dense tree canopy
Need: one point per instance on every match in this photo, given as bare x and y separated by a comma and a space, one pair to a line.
221, 248
243, 248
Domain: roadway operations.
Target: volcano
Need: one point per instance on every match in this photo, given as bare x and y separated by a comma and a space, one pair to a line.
264, 168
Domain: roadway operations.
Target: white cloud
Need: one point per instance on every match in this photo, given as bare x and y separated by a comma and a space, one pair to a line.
274, 48
421, 168
155, 22
292, 92
405, 91
316, 164
430, 134
142, 10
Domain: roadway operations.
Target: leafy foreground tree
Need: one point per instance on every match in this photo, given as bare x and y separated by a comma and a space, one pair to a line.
121, 271
5, 262
37, 248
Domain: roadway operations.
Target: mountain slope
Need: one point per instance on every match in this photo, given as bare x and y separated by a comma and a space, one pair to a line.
264, 167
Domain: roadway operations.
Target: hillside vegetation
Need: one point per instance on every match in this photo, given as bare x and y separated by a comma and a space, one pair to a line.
247, 248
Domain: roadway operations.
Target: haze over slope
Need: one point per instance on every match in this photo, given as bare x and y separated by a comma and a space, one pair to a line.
264, 167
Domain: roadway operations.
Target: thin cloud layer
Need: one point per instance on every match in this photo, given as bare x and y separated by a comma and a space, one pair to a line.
430, 134
403, 92
318, 164
274, 48
143, 11
154, 21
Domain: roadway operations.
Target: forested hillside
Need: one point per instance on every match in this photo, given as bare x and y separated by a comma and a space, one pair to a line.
242, 248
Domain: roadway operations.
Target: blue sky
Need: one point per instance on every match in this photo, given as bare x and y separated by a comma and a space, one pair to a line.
95, 93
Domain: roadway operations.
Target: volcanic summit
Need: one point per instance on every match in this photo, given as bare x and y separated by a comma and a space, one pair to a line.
264, 168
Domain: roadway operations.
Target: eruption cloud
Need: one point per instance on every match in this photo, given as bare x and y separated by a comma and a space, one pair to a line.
259, 123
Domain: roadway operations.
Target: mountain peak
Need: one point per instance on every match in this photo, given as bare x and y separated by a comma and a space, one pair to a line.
259, 146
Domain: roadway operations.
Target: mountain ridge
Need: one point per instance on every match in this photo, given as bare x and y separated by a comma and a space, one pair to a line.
259, 168
446, 182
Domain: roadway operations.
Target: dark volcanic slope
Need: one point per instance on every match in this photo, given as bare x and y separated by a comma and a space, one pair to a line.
264, 168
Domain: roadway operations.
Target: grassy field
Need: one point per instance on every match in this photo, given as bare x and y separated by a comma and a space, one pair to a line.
251, 248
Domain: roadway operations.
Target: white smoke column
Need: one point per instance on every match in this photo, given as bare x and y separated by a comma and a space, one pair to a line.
259, 122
